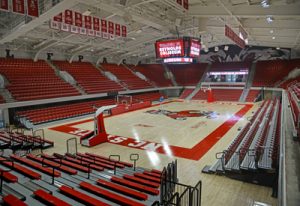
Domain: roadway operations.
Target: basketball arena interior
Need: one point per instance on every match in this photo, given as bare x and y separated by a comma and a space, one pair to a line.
150, 102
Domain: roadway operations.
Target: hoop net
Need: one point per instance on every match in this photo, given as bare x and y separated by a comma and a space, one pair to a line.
124, 100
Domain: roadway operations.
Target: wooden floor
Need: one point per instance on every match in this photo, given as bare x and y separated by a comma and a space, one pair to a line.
167, 139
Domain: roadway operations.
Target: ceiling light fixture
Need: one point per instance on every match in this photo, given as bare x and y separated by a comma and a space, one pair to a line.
278, 48
273, 37
271, 31
270, 19
265, 3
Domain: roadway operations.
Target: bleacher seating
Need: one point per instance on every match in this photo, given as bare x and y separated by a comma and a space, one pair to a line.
293, 95
256, 146
18, 141
267, 73
150, 96
155, 73
29, 80
126, 187
188, 74
88, 77
252, 95
186, 93
54, 113
131, 81
220, 95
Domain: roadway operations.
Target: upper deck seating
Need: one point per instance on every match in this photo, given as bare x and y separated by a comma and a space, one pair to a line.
29, 80
131, 81
89, 77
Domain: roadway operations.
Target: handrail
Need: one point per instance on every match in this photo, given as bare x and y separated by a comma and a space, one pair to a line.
3, 171
53, 167
134, 158
115, 162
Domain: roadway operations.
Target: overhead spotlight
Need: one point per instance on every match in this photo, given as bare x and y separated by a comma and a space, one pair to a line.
216, 49
226, 48
246, 41
92, 49
270, 19
278, 48
273, 37
271, 31
206, 49
265, 3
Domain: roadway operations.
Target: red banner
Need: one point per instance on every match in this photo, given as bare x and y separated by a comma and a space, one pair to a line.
96, 22
4, 4
186, 4
88, 22
18, 6
33, 8
111, 28
124, 31
58, 18
78, 19
68, 17
179, 2
104, 25
118, 29
234, 37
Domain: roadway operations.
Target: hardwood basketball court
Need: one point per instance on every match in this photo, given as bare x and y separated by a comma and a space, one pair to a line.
143, 128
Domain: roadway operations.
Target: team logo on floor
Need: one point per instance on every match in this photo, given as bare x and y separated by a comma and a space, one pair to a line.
183, 115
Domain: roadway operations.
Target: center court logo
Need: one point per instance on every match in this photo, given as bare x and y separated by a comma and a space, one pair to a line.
183, 115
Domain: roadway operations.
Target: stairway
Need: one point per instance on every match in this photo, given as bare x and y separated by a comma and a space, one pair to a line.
198, 86
6, 95
170, 75
248, 83
58, 73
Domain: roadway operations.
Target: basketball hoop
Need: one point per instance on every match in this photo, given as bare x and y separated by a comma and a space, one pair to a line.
124, 100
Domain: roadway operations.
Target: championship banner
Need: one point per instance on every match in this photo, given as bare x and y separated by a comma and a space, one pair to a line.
33, 8
4, 4
124, 31
186, 4
103, 26
58, 18
234, 37
118, 30
74, 29
96, 22
179, 2
55, 25
88, 22
18, 6
65, 27
78, 19
111, 28
68, 18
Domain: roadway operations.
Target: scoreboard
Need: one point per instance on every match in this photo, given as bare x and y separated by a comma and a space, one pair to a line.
181, 50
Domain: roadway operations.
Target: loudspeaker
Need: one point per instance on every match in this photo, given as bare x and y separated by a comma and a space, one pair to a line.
49, 55
80, 58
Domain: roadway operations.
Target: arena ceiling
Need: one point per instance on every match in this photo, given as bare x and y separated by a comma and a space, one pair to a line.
149, 20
